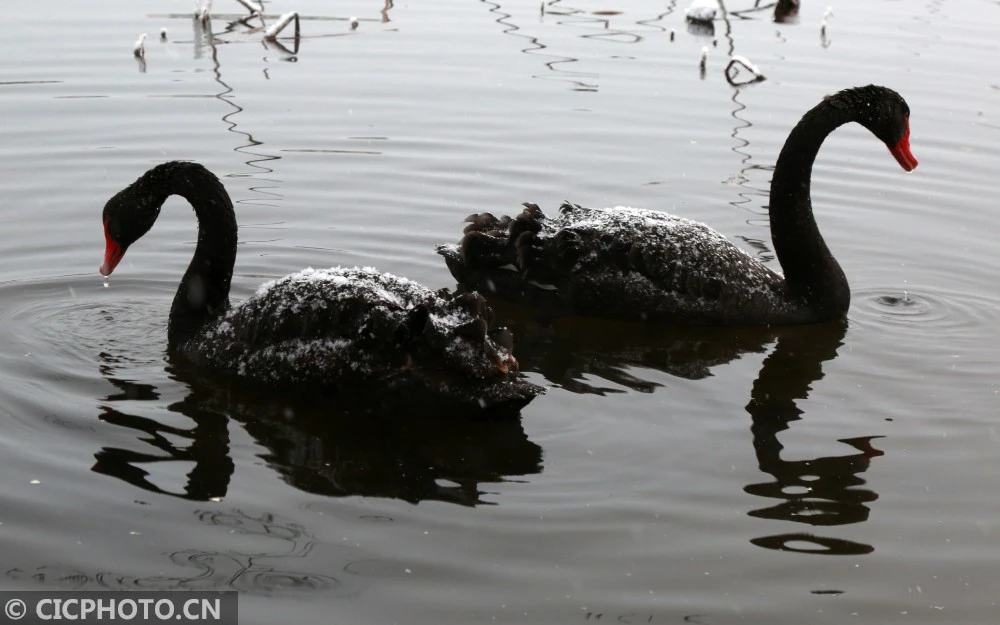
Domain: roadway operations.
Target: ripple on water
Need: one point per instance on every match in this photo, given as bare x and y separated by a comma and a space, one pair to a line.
74, 314
270, 556
64, 337
946, 339
923, 311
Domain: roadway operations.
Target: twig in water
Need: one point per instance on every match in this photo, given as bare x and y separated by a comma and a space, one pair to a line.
203, 12
733, 71
272, 33
249, 7
140, 47
702, 11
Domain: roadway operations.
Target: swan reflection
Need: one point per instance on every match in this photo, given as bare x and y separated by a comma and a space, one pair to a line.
317, 448
823, 491
577, 354
334, 452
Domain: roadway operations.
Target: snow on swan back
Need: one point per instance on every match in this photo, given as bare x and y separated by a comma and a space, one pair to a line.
355, 333
632, 263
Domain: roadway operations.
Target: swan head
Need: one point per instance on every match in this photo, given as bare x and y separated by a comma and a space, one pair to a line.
127, 216
470, 365
455, 337
886, 114
451, 347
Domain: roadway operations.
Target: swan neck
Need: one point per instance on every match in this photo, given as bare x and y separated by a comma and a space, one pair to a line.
203, 294
812, 274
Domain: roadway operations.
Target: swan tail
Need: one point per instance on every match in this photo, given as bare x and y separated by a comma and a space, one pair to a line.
504, 256
487, 245
568, 207
532, 252
513, 248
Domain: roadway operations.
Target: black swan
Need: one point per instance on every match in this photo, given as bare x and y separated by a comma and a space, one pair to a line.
640, 264
356, 332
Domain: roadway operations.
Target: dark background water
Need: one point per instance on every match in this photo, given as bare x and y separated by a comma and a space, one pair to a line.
824, 474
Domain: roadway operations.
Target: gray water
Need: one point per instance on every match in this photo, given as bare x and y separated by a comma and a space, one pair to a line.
823, 474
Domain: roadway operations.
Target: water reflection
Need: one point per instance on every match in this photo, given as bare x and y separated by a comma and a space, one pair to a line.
576, 353
205, 40
319, 448
818, 491
582, 81
289, 54
597, 26
786, 11
281, 564
700, 28
594, 356
822, 491
750, 191
385, 11
606, 25
205, 445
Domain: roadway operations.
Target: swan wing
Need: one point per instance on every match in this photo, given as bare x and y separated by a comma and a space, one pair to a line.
618, 262
320, 327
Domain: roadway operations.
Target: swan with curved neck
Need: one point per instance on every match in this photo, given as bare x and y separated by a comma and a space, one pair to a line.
633, 263
353, 332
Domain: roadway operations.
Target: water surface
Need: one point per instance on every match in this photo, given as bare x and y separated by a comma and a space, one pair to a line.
844, 472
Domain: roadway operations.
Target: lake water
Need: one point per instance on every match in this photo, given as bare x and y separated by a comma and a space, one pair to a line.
831, 474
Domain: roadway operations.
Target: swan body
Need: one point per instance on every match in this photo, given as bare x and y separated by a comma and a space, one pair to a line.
639, 264
343, 331
624, 262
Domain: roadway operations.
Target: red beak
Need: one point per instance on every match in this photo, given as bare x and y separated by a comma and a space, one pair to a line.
113, 254
902, 152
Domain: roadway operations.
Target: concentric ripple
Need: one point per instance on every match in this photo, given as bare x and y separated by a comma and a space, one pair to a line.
63, 337
946, 311
74, 317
